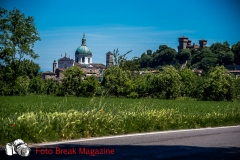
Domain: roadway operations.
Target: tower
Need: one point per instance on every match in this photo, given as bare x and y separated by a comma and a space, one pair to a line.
54, 66
182, 43
149, 52
202, 43
109, 59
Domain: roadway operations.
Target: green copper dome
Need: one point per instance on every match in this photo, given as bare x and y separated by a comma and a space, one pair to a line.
83, 49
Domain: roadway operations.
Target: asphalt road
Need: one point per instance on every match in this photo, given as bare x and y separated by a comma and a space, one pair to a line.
206, 143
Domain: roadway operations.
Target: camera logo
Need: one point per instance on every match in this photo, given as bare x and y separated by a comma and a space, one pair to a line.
17, 147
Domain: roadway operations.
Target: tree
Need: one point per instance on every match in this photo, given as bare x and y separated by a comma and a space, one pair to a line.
170, 82
188, 79
36, 85
225, 58
216, 48
17, 35
184, 55
114, 80
218, 85
132, 65
119, 59
50, 86
237, 88
21, 85
162, 48
223, 53
88, 87
72, 81
236, 50
204, 59
165, 55
146, 60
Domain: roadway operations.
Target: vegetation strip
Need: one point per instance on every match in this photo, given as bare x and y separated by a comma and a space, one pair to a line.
46, 118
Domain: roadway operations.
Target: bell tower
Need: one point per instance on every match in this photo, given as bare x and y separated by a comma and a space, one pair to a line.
109, 59
54, 66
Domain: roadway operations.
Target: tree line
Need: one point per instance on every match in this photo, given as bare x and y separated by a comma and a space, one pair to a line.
19, 75
203, 58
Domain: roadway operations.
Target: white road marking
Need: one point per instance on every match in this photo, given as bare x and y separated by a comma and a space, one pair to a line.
130, 135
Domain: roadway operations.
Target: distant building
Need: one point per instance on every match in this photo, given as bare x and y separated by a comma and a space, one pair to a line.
109, 59
49, 75
149, 52
184, 43
83, 59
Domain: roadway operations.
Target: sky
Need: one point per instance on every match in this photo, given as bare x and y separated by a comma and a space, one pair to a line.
136, 25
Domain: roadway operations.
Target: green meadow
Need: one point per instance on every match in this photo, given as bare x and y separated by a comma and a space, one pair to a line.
41, 118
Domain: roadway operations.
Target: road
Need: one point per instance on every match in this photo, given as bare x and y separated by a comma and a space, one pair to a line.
205, 143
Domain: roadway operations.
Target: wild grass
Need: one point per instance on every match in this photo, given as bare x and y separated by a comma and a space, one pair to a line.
48, 118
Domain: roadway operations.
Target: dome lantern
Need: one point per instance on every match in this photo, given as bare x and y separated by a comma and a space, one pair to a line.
83, 49
83, 40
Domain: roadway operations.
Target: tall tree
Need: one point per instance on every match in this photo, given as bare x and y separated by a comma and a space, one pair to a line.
119, 59
17, 36
146, 60
165, 55
204, 59
184, 55
236, 50
216, 48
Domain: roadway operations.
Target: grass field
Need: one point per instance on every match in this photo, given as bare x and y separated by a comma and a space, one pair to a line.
47, 118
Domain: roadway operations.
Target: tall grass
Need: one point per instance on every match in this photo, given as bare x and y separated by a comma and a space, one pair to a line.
48, 118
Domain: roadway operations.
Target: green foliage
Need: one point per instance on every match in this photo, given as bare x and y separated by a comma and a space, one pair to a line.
146, 60
17, 35
237, 88
184, 55
88, 87
225, 58
170, 82
36, 85
72, 81
189, 82
144, 85
50, 87
114, 80
218, 47
204, 59
49, 118
21, 85
236, 50
164, 56
119, 59
218, 85
131, 65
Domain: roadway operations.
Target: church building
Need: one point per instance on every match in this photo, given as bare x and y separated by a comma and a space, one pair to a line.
83, 59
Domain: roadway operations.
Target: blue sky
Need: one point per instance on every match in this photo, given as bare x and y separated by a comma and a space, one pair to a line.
135, 25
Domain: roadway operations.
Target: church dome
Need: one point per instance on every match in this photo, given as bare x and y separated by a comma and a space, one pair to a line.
83, 49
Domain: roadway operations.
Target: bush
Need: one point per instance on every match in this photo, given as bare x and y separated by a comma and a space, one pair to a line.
21, 85
218, 85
